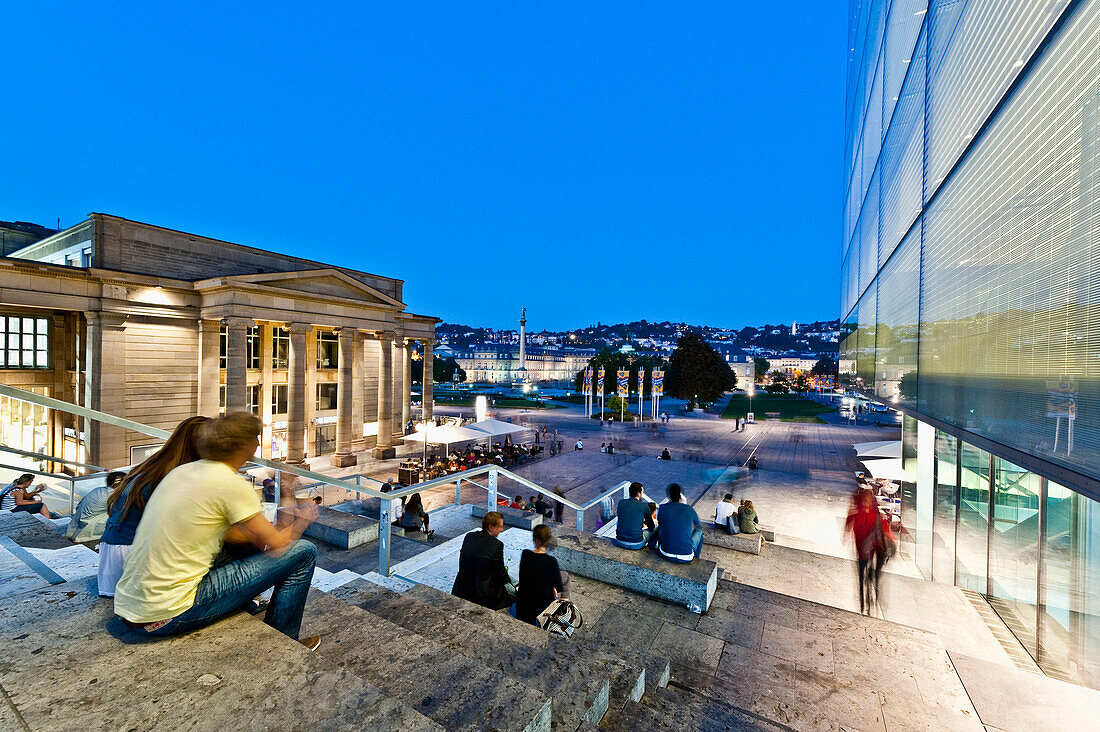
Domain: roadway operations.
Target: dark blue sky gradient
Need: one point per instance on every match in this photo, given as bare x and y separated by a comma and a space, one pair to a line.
592, 160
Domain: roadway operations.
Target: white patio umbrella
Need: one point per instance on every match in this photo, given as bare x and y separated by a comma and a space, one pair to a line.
446, 435
862, 448
490, 428
886, 469
890, 450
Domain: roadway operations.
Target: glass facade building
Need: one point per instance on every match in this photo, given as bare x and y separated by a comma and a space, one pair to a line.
970, 281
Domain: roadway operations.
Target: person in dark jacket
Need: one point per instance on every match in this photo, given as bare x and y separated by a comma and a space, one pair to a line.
631, 531
482, 577
540, 579
679, 533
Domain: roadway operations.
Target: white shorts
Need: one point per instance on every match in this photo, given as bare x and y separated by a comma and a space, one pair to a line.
112, 558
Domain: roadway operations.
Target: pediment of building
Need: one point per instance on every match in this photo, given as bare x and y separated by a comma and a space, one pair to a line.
316, 282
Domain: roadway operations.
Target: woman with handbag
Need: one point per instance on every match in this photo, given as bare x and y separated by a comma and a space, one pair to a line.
540, 579
875, 544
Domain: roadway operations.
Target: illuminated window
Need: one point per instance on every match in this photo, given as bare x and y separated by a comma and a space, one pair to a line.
27, 343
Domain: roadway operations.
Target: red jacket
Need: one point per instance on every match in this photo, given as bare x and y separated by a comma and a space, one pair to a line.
862, 525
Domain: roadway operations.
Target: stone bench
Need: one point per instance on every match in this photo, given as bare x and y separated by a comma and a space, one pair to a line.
748, 543
512, 516
647, 572
342, 529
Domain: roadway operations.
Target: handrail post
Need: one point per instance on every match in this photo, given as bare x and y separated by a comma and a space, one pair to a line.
580, 520
385, 514
492, 489
458, 492
72, 496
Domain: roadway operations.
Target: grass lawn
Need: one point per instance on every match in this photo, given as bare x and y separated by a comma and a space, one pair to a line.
791, 408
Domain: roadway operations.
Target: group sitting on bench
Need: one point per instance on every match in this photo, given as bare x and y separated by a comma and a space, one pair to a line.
735, 519
676, 534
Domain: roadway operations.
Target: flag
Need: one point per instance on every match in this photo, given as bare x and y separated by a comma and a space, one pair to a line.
587, 380
599, 381
658, 382
641, 383
624, 383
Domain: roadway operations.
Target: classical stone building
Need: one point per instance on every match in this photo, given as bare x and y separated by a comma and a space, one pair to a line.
156, 325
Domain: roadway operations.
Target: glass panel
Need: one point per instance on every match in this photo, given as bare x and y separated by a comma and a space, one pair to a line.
28, 325
1070, 633
1014, 551
943, 521
972, 537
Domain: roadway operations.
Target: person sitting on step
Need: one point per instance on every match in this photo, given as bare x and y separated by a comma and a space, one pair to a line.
747, 519
631, 531
179, 576
725, 515
679, 533
19, 497
541, 581
517, 503
415, 516
482, 577
90, 517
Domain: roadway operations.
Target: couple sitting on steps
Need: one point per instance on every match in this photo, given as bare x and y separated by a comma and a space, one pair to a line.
677, 535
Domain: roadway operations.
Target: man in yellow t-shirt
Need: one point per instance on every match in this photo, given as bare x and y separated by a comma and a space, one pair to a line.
170, 584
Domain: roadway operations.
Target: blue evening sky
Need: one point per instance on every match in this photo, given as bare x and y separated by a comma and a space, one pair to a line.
594, 161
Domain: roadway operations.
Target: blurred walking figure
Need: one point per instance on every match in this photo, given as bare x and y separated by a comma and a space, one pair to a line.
875, 544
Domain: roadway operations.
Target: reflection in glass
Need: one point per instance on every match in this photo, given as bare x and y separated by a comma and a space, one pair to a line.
1014, 551
946, 497
972, 537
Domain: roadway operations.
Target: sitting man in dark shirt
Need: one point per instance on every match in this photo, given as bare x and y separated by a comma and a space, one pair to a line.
482, 577
679, 533
631, 531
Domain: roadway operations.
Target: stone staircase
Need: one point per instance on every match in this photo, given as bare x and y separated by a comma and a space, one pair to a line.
401, 654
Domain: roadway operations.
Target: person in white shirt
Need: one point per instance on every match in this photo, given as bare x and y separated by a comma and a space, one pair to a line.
725, 514
579, 445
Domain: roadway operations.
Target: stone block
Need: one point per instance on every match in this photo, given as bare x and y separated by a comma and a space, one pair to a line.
68, 665
384, 453
341, 529
748, 543
691, 585
512, 516
343, 461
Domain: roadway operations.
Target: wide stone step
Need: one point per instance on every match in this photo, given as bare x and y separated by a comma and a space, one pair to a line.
630, 679
678, 710
691, 585
66, 666
579, 688
422, 673
512, 516
342, 529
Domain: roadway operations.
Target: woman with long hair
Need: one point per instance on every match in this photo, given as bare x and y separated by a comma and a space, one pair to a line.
415, 516
127, 501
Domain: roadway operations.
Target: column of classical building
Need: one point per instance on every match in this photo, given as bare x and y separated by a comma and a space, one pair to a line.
384, 446
296, 395
236, 365
344, 399
358, 377
428, 380
105, 387
399, 353
209, 367
406, 364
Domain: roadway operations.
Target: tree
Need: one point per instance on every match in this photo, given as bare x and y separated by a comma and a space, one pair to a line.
443, 370
825, 366
697, 371
760, 365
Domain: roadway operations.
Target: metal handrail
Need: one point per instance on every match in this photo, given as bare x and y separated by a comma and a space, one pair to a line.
494, 472
50, 458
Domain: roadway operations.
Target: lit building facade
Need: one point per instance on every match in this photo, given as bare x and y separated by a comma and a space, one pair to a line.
970, 278
157, 325
499, 363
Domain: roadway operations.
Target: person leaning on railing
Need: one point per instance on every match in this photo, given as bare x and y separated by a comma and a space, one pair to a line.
177, 577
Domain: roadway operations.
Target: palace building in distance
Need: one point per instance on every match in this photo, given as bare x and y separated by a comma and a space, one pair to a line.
156, 325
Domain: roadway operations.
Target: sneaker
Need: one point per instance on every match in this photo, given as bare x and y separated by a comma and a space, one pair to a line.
312, 643
257, 606
431, 535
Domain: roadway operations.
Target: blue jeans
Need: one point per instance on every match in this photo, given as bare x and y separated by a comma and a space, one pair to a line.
227, 588
697, 542
646, 534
